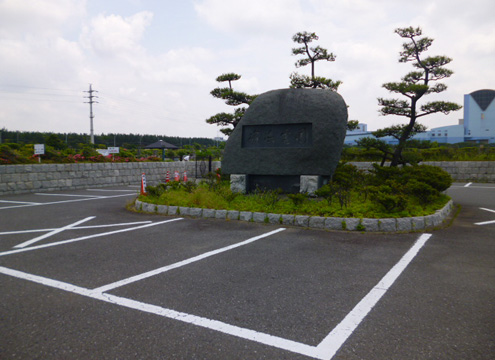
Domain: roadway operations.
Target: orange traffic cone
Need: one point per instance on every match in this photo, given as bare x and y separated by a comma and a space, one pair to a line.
185, 176
143, 184
167, 178
176, 176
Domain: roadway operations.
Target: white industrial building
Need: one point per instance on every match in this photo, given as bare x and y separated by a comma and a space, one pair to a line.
478, 124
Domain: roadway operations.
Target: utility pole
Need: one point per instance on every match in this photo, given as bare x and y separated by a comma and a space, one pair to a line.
91, 116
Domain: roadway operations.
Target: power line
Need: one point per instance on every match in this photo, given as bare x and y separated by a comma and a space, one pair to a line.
28, 95
33, 93
44, 100
36, 87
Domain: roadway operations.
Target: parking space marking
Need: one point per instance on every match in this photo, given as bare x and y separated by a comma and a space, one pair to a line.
183, 262
19, 202
486, 222
468, 184
37, 247
65, 201
472, 186
74, 228
69, 195
225, 328
327, 348
332, 343
53, 232
111, 190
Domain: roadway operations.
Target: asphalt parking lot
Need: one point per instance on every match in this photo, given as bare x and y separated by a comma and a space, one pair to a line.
84, 278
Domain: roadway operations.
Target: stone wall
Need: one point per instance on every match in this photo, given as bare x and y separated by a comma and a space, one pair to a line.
477, 171
17, 179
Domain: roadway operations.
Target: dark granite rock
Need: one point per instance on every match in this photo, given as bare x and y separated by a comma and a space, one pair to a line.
285, 134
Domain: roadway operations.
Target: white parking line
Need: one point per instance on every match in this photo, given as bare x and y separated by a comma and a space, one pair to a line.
74, 228
18, 202
472, 186
182, 263
110, 190
225, 328
65, 201
332, 343
327, 348
468, 184
69, 195
486, 222
10, 252
53, 232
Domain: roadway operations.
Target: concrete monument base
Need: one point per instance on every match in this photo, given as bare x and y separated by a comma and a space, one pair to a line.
311, 183
238, 183
243, 183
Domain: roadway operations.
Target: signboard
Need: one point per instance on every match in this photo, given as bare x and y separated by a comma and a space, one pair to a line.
39, 149
103, 152
110, 150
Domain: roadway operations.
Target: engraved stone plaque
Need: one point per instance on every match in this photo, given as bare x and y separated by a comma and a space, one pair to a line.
277, 136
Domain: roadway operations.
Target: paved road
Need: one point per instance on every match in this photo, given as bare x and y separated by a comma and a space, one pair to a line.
83, 278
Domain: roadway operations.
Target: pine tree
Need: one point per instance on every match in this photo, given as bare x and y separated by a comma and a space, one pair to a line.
232, 98
313, 54
414, 86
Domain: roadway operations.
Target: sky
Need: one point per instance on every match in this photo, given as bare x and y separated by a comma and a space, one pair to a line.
154, 62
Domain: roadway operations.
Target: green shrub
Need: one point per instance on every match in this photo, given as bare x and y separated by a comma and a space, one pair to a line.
390, 201
384, 173
421, 191
297, 199
327, 192
267, 198
190, 186
88, 151
156, 191
434, 176
13, 154
204, 198
226, 193
346, 179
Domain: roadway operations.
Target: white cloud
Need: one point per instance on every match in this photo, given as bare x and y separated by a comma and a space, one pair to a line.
114, 35
251, 17
18, 17
33, 49
36, 61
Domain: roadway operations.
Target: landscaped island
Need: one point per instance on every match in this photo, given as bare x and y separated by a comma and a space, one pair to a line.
386, 193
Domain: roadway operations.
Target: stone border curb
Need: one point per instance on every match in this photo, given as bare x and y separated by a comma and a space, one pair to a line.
417, 223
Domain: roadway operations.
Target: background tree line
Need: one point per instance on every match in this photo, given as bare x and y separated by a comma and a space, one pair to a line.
76, 141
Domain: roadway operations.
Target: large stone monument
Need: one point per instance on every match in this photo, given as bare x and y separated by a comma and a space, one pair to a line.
289, 139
